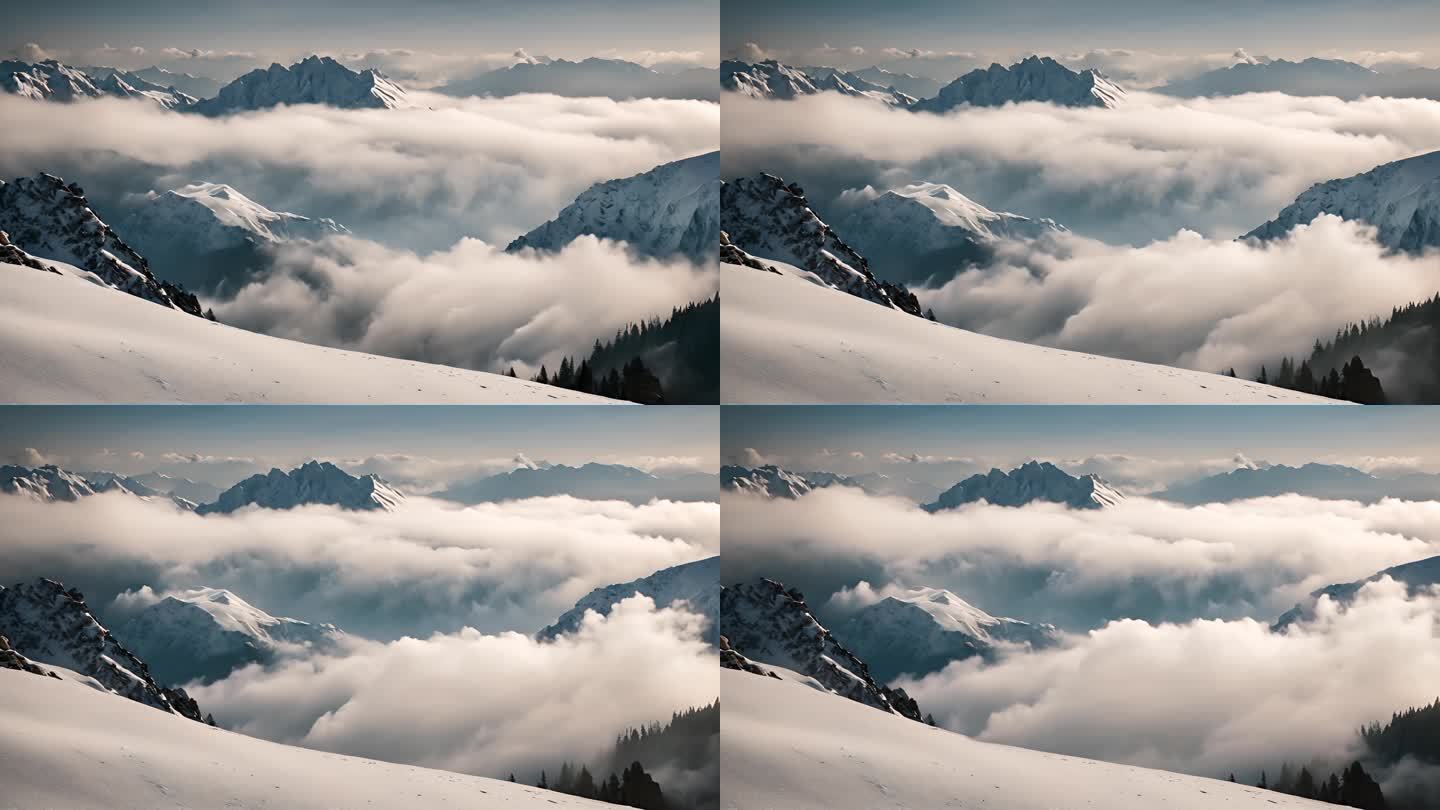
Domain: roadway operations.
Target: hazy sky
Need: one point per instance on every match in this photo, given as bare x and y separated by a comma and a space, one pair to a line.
224, 442
275, 28
1279, 27
1013, 434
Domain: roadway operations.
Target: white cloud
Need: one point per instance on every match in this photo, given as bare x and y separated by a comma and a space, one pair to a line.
477, 703
473, 306
1206, 697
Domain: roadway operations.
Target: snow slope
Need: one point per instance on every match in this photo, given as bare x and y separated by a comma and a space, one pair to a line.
69, 747
1034, 79
206, 633
924, 230
46, 483
921, 630
1401, 199
315, 482
66, 339
785, 338
672, 209
787, 746
315, 80
696, 584
1032, 482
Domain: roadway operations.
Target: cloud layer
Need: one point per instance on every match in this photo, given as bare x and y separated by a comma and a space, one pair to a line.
429, 566
477, 703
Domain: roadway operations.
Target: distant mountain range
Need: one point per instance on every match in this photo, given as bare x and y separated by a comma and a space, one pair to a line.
1309, 77
776, 482
49, 483
1328, 481
50, 80
591, 481
1033, 482
1417, 577
612, 78
771, 79
695, 584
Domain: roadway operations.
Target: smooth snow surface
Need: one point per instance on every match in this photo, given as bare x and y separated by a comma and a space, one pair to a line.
788, 746
786, 339
70, 747
64, 339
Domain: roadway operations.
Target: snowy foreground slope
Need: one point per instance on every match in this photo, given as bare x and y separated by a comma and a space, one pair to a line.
784, 338
66, 339
788, 746
67, 746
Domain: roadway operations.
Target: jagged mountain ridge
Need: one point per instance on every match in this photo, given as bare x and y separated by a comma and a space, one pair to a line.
313, 80
672, 209
1033, 79
315, 482
204, 634
1401, 199
52, 80
1417, 577
51, 219
696, 584
769, 219
926, 230
51, 624
766, 623
767, 479
1032, 482
609, 78
771, 79
922, 630
48, 483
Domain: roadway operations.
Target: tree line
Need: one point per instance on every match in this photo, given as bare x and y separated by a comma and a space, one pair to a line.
1352, 787
632, 787
1352, 382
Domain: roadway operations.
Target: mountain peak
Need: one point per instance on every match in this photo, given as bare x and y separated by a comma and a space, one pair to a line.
313, 80
314, 482
1031, 482
1036, 78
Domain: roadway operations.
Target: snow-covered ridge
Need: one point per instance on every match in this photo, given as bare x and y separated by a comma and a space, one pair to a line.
771, 79
49, 483
1417, 577
120, 349
768, 480
206, 633
696, 585
48, 623
786, 338
69, 747
671, 209
314, 80
769, 624
51, 219
923, 230
51, 80
789, 747
127, 84
770, 219
315, 482
1032, 482
1401, 199
921, 630
1035, 79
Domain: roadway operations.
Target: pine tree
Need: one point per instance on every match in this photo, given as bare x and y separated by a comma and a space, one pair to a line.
511, 373
585, 378
544, 376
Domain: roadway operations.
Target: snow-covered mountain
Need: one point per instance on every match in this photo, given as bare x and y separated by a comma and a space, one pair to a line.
769, 624
45, 483
211, 238
50, 624
790, 746
69, 747
1309, 77
671, 209
1331, 481
696, 584
609, 78
1401, 199
929, 231
768, 480
915, 86
1417, 577
127, 84
1032, 482
315, 80
771, 79
785, 337
204, 634
315, 482
591, 481
1034, 79
194, 491
923, 629
187, 83
120, 349
769, 219
106, 481
50, 80
51, 219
